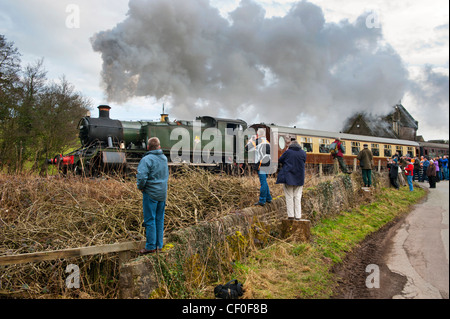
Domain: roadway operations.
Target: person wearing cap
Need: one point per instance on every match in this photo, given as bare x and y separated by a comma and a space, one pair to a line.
365, 158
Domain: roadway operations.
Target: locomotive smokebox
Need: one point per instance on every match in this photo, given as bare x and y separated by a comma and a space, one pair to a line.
103, 111
101, 129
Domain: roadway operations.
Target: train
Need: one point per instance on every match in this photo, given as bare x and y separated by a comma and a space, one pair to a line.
109, 145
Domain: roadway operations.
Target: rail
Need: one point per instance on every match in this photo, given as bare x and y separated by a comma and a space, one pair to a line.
122, 248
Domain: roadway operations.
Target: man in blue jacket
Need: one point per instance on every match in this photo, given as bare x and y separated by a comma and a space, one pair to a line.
445, 167
292, 176
152, 179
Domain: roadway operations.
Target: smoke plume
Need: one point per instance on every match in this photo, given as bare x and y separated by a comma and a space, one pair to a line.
296, 69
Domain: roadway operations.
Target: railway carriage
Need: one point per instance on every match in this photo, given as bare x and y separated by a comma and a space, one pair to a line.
317, 144
432, 149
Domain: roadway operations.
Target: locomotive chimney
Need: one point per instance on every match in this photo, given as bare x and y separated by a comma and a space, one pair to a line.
103, 111
164, 116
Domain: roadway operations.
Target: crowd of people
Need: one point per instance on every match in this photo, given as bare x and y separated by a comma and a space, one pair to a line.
424, 169
153, 174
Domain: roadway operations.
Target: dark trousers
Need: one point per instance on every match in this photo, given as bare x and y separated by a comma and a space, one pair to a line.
367, 177
342, 164
416, 175
432, 181
394, 182
424, 175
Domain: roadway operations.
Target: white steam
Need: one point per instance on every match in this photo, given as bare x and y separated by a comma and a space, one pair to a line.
286, 70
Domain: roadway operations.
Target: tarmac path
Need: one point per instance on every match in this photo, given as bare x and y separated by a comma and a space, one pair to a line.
411, 255
420, 248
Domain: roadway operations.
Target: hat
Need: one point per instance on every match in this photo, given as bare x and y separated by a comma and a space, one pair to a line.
365, 145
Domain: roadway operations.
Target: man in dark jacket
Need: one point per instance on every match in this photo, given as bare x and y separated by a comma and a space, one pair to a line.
393, 172
292, 176
152, 179
365, 158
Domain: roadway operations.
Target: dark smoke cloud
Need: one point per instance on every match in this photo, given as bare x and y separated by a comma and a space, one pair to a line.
431, 91
278, 70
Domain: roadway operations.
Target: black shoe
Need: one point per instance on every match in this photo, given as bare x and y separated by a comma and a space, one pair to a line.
259, 204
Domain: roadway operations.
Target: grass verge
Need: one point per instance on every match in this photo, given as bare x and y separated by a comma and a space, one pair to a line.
287, 270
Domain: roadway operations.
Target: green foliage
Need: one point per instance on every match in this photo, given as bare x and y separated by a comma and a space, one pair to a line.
302, 270
38, 118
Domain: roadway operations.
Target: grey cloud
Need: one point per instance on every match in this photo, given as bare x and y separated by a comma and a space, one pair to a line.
272, 69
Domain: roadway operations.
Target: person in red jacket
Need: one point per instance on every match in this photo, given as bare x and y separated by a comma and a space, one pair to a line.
409, 172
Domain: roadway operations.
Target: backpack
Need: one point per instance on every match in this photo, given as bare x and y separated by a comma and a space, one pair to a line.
334, 148
230, 290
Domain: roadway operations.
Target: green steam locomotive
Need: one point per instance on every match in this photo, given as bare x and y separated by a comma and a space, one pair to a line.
112, 145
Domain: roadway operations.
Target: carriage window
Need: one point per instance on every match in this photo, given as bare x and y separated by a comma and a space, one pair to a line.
355, 148
399, 150
324, 145
344, 148
387, 151
306, 143
410, 152
376, 149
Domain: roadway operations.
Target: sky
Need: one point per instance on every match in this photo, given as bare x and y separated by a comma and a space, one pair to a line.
306, 63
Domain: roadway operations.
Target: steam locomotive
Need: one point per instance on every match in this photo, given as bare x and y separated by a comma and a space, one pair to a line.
216, 143
112, 145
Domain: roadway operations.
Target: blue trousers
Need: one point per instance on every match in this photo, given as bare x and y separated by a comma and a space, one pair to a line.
445, 172
153, 222
410, 182
264, 191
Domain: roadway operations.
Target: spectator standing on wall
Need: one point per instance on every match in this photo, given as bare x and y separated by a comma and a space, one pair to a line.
292, 176
261, 147
339, 155
152, 179
365, 158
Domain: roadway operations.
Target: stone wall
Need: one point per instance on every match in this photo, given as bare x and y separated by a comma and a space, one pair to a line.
230, 236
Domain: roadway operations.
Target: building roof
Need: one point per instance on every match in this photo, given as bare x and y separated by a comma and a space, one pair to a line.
381, 126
